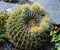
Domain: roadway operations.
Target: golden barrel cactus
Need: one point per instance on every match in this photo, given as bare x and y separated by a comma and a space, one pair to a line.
27, 25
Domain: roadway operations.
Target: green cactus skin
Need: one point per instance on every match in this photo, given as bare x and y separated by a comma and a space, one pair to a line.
18, 32
3, 18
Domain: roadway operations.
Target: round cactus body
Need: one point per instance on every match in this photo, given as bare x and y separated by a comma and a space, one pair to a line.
26, 26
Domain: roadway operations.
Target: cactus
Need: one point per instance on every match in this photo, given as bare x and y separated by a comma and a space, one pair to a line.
26, 27
3, 18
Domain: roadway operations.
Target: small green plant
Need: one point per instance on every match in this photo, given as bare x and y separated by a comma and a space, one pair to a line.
56, 39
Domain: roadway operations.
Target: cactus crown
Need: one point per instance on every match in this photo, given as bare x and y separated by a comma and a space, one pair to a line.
26, 26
